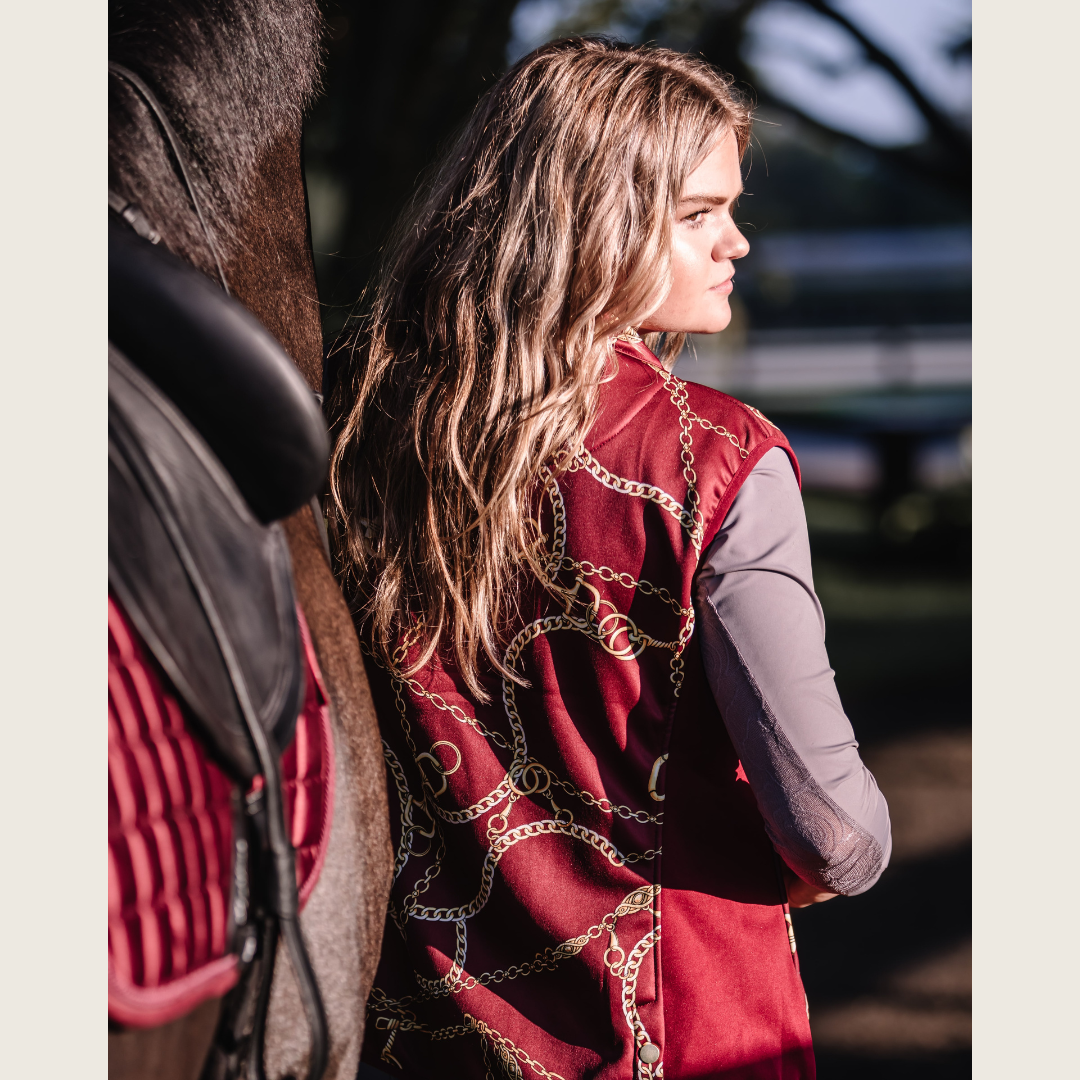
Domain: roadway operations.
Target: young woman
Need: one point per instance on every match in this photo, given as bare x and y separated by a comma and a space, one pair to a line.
585, 588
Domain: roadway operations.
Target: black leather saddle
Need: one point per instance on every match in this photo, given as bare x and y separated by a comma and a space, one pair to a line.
212, 434
213, 437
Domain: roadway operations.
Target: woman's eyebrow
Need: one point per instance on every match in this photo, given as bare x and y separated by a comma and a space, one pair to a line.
714, 200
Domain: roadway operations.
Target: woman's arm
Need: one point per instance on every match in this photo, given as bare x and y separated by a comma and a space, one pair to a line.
762, 638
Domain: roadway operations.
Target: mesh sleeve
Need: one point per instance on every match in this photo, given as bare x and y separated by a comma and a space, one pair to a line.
761, 632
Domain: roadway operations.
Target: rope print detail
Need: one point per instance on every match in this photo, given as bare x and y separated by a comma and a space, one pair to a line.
585, 611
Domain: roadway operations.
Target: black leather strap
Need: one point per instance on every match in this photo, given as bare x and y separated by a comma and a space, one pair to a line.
175, 145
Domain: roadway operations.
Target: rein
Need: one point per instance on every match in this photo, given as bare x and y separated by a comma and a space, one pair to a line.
129, 211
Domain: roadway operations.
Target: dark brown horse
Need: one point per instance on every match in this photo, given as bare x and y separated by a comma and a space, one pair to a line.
234, 77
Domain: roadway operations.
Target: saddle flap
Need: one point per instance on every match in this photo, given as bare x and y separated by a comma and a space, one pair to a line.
179, 531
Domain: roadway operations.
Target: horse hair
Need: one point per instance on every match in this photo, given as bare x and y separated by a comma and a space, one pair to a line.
232, 75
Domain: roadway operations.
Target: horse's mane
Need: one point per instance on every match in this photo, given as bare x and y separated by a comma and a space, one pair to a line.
232, 75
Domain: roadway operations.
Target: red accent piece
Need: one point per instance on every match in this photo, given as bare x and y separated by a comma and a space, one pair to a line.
740, 774
573, 814
307, 776
171, 834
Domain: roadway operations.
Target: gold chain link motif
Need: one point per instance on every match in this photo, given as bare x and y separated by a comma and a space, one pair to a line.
510, 1050
586, 593
584, 460
457, 981
677, 389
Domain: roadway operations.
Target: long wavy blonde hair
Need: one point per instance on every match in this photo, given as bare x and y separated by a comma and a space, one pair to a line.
545, 230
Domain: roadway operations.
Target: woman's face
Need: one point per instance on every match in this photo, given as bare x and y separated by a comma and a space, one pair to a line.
704, 243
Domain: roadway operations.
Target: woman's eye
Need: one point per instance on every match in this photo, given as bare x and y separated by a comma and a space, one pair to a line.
698, 216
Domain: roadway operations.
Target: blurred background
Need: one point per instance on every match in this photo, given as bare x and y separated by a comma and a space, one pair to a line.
851, 331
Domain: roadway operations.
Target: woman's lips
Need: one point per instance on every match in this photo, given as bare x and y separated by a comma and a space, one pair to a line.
725, 286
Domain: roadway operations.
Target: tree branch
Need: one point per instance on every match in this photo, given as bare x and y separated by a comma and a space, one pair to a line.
953, 174
940, 124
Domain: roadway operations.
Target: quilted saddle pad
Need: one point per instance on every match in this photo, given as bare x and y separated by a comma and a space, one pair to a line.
171, 834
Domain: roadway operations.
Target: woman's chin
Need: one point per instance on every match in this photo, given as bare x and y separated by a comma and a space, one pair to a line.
710, 325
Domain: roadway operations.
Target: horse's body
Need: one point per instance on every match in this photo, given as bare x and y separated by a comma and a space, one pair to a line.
235, 77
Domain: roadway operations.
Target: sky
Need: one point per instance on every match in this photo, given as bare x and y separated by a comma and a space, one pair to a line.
803, 57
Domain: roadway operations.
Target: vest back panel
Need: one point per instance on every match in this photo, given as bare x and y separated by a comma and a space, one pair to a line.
544, 838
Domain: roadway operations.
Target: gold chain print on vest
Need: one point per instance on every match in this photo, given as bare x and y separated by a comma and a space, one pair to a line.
688, 515
761, 416
499, 847
593, 600
507, 1051
456, 982
583, 460
395, 1026
628, 973
614, 625
676, 387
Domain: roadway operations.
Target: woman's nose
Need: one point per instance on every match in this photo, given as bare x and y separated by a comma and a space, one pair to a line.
731, 244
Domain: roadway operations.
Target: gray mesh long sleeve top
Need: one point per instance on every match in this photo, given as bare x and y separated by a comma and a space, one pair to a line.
762, 636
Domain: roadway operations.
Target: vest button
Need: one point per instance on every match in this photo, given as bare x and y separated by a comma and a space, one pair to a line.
649, 1053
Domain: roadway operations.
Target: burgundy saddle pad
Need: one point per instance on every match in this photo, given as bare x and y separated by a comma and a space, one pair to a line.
171, 834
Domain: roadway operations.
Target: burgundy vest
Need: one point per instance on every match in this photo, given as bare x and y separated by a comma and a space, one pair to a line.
544, 837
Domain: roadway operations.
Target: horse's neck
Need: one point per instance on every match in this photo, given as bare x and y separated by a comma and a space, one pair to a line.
272, 272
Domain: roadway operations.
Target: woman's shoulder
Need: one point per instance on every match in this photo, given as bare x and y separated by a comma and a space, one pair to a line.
743, 425
642, 382
661, 424
722, 408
